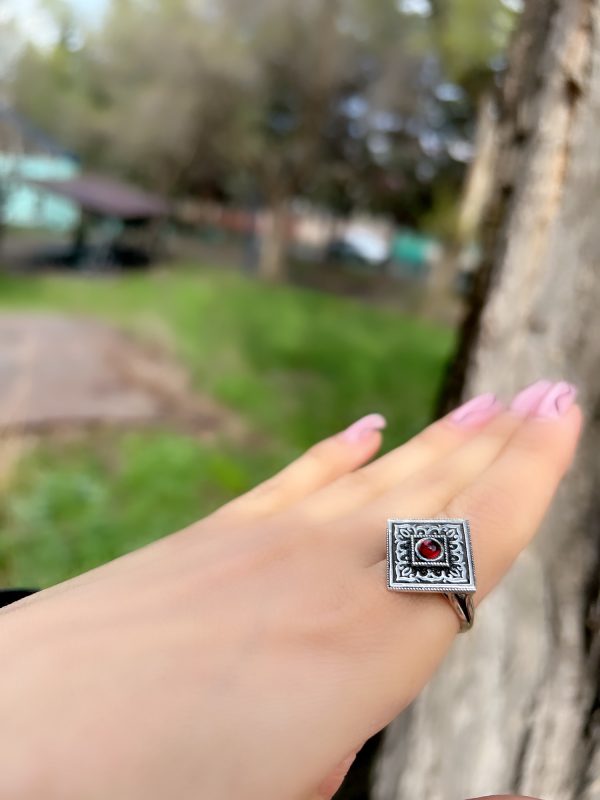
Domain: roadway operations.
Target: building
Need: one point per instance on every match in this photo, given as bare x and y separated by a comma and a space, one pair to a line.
119, 223
28, 155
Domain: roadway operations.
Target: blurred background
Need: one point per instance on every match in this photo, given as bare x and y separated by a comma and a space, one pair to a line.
231, 228
228, 229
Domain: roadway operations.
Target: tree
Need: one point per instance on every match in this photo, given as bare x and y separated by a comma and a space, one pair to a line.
234, 102
471, 37
515, 707
346, 103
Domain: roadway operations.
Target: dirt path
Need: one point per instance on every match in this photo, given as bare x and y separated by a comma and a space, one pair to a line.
61, 372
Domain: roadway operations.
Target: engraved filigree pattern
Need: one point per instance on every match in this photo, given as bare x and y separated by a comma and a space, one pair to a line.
408, 569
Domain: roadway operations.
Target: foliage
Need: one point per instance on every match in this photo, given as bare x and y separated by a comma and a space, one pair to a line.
294, 365
472, 36
348, 103
86, 502
297, 363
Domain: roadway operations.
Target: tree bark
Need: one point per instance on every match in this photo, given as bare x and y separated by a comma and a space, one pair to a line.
480, 177
273, 249
515, 707
439, 303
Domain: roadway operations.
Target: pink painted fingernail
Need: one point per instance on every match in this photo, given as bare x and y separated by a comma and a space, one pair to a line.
477, 410
528, 400
557, 401
363, 428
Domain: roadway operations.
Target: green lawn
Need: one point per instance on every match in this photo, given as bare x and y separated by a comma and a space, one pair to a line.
295, 365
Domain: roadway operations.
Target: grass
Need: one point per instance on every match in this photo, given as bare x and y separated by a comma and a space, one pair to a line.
294, 364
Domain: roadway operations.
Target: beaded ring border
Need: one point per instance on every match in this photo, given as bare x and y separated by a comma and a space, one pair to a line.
433, 555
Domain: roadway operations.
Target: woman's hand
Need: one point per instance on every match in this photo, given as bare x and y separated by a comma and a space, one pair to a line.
247, 656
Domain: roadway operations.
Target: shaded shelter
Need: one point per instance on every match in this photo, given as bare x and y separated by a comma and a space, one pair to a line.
119, 223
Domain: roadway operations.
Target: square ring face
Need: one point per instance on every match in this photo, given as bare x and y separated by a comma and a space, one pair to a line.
430, 555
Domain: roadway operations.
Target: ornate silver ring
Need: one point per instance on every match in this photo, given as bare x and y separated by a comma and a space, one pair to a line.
433, 555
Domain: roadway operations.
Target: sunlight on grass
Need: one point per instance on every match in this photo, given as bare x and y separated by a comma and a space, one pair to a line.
295, 365
96, 498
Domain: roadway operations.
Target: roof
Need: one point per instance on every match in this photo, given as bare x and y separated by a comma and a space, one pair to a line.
33, 138
108, 197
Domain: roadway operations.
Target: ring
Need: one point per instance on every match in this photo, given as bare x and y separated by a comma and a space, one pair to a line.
433, 555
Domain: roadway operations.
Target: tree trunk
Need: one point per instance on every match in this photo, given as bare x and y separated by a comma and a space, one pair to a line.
273, 250
514, 709
480, 177
440, 302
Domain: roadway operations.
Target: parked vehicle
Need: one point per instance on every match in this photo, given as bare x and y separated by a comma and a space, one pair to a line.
359, 247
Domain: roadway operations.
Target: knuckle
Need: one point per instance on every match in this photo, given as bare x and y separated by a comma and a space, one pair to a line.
363, 483
545, 455
483, 504
268, 495
437, 436
532, 450
322, 458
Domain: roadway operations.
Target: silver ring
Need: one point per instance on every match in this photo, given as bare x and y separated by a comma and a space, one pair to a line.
465, 609
433, 555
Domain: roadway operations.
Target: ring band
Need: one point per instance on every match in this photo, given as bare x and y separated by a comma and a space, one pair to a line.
465, 609
433, 555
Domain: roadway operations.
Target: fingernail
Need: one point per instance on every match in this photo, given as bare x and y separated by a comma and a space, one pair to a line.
528, 400
363, 428
477, 410
557, 401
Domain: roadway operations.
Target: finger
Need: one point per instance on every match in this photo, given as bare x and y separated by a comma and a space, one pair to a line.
508, 502
430, 490
323, 463
319, 466
329, 463
505, 506
355, 489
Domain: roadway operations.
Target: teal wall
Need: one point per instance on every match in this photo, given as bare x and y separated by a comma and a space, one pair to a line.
28, 206
413, 254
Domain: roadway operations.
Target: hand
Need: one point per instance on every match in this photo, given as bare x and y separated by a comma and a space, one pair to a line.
247, 656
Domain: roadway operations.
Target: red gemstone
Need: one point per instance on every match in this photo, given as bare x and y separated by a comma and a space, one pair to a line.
429, 549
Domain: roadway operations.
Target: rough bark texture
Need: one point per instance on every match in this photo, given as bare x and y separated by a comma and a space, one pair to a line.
515, 707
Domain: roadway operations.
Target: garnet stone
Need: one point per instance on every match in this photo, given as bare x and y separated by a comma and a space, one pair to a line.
429, 549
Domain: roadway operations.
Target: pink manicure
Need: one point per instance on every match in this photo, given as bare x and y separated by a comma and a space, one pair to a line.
528, 400
557, 401
364, 428
475, 411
